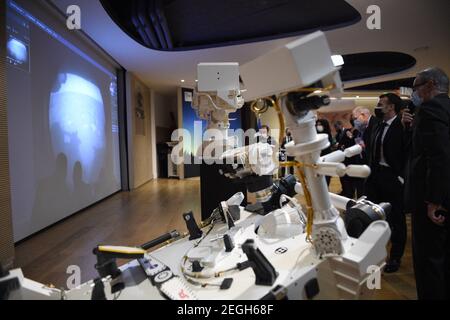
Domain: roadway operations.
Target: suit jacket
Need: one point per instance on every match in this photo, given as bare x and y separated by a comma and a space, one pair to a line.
368, 136
394, 147
346, 142
339, 135
428, 168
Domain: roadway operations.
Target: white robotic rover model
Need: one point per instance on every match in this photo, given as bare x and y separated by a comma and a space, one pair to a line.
276, 248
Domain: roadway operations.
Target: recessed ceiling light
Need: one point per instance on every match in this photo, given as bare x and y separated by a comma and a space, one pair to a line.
196, 80
357, 97
338, 60
182, 80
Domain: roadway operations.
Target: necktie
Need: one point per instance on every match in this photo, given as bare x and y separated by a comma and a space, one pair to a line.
379, 136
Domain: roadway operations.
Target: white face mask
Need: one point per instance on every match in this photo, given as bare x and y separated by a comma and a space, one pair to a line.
320, 128
416, 99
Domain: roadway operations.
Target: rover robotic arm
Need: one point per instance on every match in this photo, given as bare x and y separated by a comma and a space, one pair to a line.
217, 94
305, 66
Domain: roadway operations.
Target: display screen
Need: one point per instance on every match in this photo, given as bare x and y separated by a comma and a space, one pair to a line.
63, 123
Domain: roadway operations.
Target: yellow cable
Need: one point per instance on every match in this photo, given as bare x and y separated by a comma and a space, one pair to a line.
297, 164
280, 120
308, 198
309, 208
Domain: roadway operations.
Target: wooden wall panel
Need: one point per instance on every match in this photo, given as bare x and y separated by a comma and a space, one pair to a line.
6, 232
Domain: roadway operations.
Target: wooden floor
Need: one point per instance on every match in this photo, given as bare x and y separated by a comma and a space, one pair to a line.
132, 219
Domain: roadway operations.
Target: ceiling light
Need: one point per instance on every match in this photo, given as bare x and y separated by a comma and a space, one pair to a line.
196, 80
182, 81
338, 60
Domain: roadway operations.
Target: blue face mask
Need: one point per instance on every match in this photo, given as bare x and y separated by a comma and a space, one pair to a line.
416, 99
359, 125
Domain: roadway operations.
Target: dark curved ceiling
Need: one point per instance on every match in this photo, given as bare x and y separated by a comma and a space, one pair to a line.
385, 85
373, 64
176, 25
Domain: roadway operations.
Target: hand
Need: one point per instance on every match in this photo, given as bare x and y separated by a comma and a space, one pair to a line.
361, 143
349, 134
407, 118
431, 210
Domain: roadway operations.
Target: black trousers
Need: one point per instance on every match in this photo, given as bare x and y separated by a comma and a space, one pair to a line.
215, 188
383, 185
283, 171
431, 256
351, 187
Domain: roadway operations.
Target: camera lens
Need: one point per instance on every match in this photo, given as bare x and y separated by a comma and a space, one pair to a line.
298, 103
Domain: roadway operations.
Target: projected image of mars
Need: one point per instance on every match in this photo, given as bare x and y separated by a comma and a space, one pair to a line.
17, 53
77, 124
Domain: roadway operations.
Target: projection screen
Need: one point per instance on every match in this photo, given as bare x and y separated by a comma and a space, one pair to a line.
62, 117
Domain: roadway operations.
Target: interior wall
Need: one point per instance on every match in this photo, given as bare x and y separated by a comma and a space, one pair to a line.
166, 116
180, 123
166, 121
139, 118
369, 103
6, 230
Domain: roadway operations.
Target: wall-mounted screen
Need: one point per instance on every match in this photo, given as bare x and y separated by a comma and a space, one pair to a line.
62, 118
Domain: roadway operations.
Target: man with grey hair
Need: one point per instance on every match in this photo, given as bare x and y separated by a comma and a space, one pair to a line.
364, 123
427, 189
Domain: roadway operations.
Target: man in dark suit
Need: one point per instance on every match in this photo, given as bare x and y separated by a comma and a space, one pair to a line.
387, 163
283, 157
371, 122
351, 187
428, 183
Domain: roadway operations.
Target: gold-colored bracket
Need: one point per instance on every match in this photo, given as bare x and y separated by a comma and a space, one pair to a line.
258, 111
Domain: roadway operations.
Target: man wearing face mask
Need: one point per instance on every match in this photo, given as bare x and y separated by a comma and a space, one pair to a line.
387, 162
351, 187
359, 120
427, 191
365, 123
264, 136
